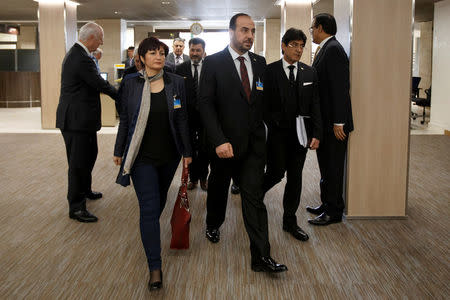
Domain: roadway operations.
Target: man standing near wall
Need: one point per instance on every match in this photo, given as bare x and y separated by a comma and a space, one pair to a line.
231, 108
332, 66
79, 117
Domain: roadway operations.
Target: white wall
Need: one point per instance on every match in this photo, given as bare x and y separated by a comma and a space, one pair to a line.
440, 99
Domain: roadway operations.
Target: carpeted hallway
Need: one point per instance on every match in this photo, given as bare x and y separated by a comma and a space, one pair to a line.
46, 255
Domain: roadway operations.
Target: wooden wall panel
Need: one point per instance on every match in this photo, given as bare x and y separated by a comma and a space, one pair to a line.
299, 16
20, 89
380, 90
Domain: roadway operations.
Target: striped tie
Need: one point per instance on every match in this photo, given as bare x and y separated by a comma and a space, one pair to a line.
244, 78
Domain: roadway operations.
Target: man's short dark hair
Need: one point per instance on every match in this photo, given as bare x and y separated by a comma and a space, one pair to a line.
293, 34
131, 48
327, 21
196, 41
150, 44
234, 18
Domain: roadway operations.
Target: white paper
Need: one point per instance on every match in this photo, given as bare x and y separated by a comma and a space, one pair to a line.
301, 131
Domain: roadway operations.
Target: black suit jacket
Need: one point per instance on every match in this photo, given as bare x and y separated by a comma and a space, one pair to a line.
276, 87
332, 68
185, 71
225, 111
79, 106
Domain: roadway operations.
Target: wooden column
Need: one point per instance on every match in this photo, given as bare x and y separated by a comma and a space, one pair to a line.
56, 18
113, 53
272, 40
298, 14
380, 74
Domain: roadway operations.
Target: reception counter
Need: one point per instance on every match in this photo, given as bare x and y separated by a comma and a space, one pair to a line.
20, 89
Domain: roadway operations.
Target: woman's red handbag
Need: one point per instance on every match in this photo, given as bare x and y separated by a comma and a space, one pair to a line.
181, 217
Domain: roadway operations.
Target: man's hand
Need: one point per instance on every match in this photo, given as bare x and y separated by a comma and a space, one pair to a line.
339, 132
225, 150
314, 144
187, 161
117, 160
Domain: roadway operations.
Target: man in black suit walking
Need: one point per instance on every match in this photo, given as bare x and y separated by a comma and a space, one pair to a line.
231, 108
191, 70
292, 115
332, 66
79, 117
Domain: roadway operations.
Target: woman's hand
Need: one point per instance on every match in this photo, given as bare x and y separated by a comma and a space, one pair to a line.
187, 161
117, 160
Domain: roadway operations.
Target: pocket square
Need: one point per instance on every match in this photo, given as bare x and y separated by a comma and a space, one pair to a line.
307, 83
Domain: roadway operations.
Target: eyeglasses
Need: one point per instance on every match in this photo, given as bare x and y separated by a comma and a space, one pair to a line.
296, 45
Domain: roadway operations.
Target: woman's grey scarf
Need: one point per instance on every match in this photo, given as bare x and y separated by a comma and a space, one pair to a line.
141, 122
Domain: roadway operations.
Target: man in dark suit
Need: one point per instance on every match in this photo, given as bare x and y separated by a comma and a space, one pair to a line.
292, 115
176, 57
136, 67
129, 61
79, 117
231, 108
332, 66
191, 70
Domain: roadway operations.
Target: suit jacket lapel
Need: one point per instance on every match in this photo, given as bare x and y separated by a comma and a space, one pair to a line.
283, 81
233, 71
319, 55
168, 87
256, 75
299, 80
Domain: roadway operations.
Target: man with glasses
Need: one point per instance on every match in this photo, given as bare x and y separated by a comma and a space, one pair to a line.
332, 66
292, 116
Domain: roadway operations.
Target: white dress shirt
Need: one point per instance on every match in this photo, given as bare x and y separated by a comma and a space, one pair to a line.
247, 63
322, 43
287, 70
178, 59
85, 48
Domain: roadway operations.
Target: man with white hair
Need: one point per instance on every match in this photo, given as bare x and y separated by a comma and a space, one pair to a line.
79, 117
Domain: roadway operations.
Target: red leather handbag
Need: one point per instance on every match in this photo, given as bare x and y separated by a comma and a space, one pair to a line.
181, 217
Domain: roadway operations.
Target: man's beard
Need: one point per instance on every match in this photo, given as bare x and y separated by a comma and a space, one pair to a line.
196, 59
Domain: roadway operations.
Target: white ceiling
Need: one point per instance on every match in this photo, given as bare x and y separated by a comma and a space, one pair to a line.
192, 10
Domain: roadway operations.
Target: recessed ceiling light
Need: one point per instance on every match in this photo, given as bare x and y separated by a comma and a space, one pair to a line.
165, 2
184, 18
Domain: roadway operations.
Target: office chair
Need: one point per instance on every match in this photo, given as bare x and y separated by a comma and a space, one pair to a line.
415, 87
415, 93
423, 102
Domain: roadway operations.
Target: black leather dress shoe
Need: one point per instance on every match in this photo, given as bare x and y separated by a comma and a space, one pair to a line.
83, 216
94, 195
213, 235
324, 219
157, 285
296, 232
315, 210
267, 264
235, 189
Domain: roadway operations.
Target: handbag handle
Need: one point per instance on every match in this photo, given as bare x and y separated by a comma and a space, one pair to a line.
184, 176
